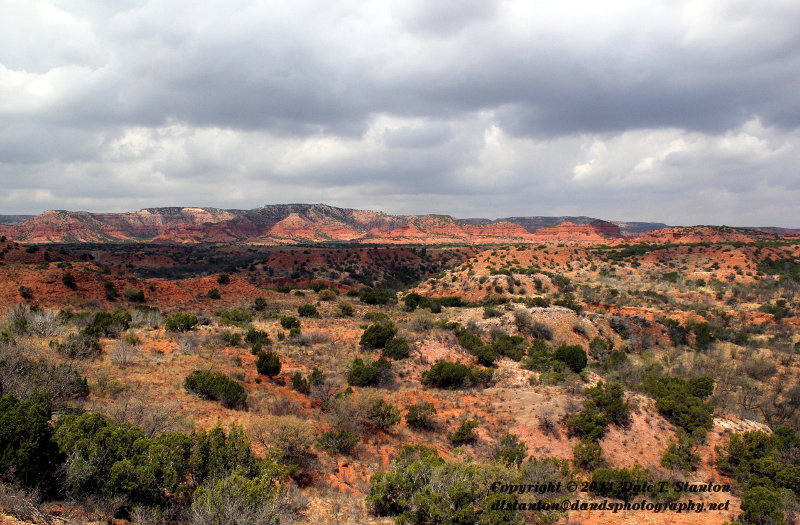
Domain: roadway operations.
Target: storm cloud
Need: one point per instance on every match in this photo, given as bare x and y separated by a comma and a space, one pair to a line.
675, 111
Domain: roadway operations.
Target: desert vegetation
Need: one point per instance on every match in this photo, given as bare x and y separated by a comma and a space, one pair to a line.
399, 395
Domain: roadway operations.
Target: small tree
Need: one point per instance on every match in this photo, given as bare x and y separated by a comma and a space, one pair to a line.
573, 356
396, 348
421, 416
464, 434
382, 415
268, 364
377, 335
69, 281
181, 322
308, 310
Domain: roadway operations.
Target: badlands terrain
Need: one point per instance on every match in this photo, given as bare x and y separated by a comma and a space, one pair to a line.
310, 364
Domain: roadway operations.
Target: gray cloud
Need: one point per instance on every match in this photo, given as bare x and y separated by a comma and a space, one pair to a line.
676, 111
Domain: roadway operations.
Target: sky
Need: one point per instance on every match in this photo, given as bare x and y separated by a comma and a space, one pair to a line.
677, 111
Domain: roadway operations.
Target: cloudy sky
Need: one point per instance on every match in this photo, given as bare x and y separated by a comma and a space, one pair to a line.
680, 111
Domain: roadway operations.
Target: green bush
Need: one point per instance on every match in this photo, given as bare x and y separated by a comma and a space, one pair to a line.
237, 499
510, 451
676, 401
254, 336
396, 348
377, 335
422, 488
378, 296
680, 455
475, 346
78, 346
69, 281
464, 434
181, 322
268, 364
338, 441
134, 295
508, 345
587, 455
451, 376
573, 356
214, 294
345, 309
300, 383
589, 424
224, 279
382, 415
617, 483
216, 386
762, 506
288, 322
235, 317
421, 416
308, 310
28, 456
609, 398
260, 304
105, 324
369, 374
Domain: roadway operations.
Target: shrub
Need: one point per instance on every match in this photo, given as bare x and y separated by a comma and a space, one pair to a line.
608, 397
216, 386
589, 424
680, 455
377, 335
345, 309
106, 324
181, 322
382, 415
676, 402
235, 317
134, 295
307, 310
464, 434
573, 356
69, 281
268, 364
509, 346
29, 456
510, 451
25, 292
260, 304
78, 346
254, 337
421, 487
327, 295
230, 338
450, 376
300, 383
369, 374
214, 294
762, 506
377, 296
224, 279
587, 455
288, 322
110, 290
473, 344
396, 348
618, 483
421, 415
600, 346
339, 441
237, 499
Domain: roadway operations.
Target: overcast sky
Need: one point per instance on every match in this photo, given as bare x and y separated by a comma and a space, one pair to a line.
685, 112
